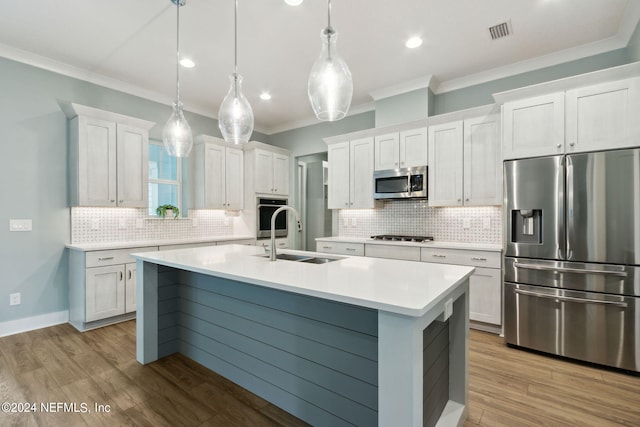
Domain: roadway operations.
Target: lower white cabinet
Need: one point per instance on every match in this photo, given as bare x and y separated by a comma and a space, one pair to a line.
485, 284
281, 243
340, 248
408, 253
102, 286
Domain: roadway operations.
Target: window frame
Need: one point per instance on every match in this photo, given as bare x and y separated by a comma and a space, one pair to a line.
177, 182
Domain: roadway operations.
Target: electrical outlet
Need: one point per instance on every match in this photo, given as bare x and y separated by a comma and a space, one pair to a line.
14, 299
226, 221
20, 225
354, 222
194, 222
486, 223
466, 223
95, 224
122, 223
139, 223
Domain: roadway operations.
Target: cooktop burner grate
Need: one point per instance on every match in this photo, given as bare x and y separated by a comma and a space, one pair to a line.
396, 238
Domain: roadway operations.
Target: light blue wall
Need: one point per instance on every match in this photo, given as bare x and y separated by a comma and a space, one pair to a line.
475, 96
309, 139
633, 48
403, 108
34, 180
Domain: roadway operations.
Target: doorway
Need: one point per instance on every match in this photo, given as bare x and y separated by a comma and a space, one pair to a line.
311, 195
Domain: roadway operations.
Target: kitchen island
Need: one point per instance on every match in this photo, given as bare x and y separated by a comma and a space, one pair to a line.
356, 341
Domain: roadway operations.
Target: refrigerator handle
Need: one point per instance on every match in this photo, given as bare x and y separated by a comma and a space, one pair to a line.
569, 213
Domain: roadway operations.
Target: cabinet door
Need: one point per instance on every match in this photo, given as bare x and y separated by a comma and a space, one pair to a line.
130, 287
234, 178
281, 174
214, 176
133, 164
445, 164
361, 173
413, 148
485, 299
387, 151
603, 116
482, 161
105, 292
533, 127
338, 180
96, 162
263, 172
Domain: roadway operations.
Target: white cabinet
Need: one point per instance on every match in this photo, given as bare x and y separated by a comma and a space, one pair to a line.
465, 165
596, 117
271, 173
102, 286
108, 158
603, 116
351, 174
485, 284
408, 253
217, 175
281, 243
445, 168
340, 248
533, 126
401, 149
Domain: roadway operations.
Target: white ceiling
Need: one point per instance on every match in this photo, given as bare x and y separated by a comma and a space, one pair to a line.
130, 45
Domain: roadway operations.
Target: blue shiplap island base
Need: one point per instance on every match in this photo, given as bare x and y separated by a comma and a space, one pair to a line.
328, 362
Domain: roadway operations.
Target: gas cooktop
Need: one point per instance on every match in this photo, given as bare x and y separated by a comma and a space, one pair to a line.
395, 238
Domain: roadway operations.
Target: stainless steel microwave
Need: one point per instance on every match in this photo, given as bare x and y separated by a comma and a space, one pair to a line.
406, 183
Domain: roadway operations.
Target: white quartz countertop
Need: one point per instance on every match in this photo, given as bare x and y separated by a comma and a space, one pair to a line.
402, 287
435, 244
143, 243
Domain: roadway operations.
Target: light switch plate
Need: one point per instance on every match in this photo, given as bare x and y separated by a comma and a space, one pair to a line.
466, 223
95, 224
194, 222
14, 299
139, 223
122, 223
20, 225
486, 223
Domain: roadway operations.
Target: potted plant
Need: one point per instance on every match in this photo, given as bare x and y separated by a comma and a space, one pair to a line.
164, 210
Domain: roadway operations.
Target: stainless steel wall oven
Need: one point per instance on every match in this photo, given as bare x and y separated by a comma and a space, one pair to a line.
265, 209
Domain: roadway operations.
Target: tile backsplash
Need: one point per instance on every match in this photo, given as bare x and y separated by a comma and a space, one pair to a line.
453, 224
107, 225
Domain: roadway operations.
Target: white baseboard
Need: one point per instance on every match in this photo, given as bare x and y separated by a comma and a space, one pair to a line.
30, 323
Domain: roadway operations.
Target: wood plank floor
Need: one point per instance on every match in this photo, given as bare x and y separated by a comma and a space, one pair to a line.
54, 365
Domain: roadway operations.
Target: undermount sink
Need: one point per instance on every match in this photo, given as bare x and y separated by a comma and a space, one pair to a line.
302, 258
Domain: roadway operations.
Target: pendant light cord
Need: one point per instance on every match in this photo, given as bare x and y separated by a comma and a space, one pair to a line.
329, 31
235, 49
178, 52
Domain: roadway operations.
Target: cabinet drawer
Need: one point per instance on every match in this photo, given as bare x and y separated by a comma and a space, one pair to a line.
282, 243
342, 248
114, 256
409, 253
461, 257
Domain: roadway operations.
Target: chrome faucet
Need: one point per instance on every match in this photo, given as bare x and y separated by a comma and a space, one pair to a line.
272, 255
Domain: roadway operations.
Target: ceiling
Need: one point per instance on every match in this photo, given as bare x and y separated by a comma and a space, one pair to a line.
130, 45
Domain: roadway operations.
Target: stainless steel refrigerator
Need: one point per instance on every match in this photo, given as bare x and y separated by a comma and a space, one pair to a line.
572, 256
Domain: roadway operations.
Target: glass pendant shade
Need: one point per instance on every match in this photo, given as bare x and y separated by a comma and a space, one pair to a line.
235, 118
176, 135
330, 84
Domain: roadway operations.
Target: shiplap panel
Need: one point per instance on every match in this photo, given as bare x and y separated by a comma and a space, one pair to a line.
271, 353
274, 356
168, 306
435, 368
346, 316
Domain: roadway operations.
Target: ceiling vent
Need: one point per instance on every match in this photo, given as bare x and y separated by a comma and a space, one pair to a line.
501, 30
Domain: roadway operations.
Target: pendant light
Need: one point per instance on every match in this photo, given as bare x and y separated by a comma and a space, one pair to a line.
235, 118
330, 85
176, 135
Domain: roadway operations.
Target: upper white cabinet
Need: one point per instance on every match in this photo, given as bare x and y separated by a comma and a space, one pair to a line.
271, 172
108, 158
533, 127
401, 149
217, 175
351, 174
465, 164
596, 117
445, 170
603, 116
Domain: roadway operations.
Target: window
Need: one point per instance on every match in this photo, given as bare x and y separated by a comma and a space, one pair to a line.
165, 184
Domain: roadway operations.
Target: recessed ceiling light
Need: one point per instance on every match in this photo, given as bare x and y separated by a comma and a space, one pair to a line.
413, 42
293, 2
265, 96
187, 63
